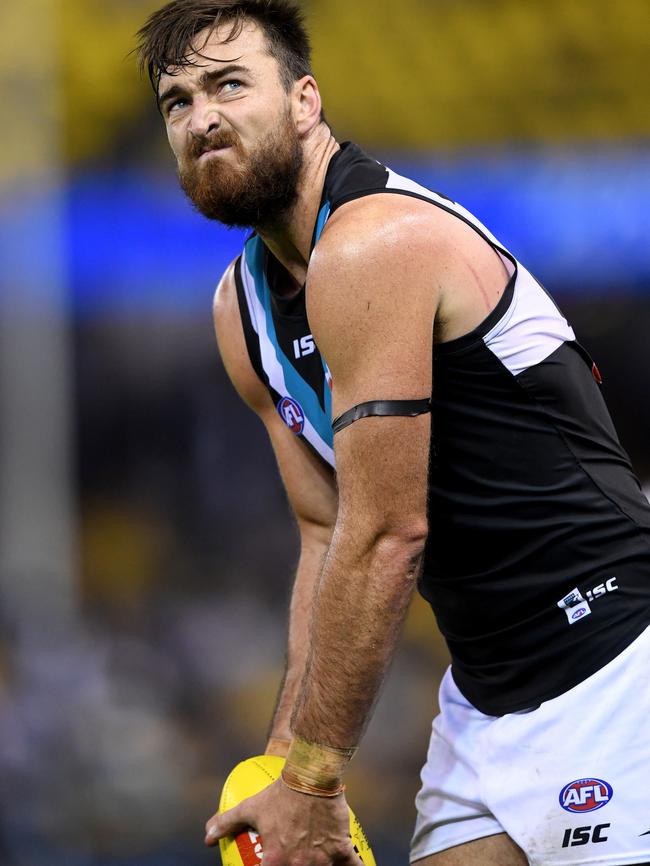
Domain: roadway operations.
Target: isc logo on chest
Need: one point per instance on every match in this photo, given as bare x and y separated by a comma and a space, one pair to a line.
304, 346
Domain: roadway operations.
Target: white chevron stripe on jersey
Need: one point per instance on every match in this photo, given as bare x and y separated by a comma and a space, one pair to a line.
404, 184
531, 329
270, 363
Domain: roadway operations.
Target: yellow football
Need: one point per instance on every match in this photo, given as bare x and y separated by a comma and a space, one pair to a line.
249, 778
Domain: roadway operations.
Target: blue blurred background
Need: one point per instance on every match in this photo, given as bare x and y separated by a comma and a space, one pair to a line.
146, 548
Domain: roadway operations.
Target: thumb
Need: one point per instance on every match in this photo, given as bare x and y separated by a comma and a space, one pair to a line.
228, 823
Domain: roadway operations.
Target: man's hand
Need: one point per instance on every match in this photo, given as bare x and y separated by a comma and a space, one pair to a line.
296, 829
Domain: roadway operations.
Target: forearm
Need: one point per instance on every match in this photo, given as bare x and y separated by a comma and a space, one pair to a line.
358, 613
313, 549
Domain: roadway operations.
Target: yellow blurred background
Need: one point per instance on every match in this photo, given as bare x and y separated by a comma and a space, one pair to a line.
415, 74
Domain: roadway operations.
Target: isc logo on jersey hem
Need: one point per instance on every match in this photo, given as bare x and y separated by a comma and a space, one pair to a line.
291, 413
576, 606
585, 795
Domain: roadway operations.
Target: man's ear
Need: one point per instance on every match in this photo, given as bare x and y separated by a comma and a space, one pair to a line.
307, 105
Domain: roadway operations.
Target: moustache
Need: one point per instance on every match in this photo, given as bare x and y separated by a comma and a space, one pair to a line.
200, 144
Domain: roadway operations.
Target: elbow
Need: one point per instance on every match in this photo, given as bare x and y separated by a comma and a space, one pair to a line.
409, 535
399, 554
404, 543
396, 545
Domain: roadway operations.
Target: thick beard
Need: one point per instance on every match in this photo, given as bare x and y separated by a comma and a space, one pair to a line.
257, 192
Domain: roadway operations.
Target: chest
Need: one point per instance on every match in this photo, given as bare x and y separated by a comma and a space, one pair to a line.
285, 356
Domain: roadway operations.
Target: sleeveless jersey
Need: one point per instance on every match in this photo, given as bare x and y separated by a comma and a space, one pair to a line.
537, 563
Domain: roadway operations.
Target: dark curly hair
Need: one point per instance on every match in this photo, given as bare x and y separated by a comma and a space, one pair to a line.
166, 40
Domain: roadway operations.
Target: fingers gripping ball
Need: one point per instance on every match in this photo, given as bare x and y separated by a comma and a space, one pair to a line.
249, 778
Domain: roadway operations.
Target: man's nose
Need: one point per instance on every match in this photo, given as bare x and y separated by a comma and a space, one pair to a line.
205, 117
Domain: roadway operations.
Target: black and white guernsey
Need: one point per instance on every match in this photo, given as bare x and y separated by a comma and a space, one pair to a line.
537, 564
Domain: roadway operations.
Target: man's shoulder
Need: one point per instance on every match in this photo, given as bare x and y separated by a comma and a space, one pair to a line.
231, 341
392, 251
384, 226
375, 260
225, 294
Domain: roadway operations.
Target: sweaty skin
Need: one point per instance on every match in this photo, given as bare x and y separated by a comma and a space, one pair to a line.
384, 270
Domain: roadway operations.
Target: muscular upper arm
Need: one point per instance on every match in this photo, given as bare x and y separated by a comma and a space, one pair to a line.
373, 293
309, 484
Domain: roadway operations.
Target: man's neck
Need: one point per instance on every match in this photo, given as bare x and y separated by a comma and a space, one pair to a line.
290, 242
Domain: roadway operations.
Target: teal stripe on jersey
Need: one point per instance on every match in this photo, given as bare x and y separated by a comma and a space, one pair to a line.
323, 216
298, 388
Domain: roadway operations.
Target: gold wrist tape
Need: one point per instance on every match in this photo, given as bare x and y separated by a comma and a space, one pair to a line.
314, 769
277, 746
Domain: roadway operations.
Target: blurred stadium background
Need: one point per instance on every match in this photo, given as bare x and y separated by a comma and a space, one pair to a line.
145, 543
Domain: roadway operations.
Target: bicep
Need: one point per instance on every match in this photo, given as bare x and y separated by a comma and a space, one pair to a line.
373, 312
372, 307
383, 465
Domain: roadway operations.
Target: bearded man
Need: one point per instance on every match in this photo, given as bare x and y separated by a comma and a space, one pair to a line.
473, 453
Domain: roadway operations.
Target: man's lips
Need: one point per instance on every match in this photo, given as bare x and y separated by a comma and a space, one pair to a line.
213, 151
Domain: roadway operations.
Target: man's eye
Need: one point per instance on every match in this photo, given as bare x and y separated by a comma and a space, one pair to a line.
176, 104
232, 86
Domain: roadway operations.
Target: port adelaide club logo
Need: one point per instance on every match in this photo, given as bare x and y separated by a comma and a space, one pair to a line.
585, 795
292, 415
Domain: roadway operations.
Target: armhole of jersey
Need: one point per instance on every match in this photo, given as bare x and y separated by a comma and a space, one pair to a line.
250, 335
383, 409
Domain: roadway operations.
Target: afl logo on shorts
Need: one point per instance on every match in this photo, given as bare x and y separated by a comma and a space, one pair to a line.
292, 415
585, 795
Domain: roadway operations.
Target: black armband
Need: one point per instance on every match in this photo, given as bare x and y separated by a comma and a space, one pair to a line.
383, 408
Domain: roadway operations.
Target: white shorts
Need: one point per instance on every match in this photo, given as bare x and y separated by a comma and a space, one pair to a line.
569, 781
